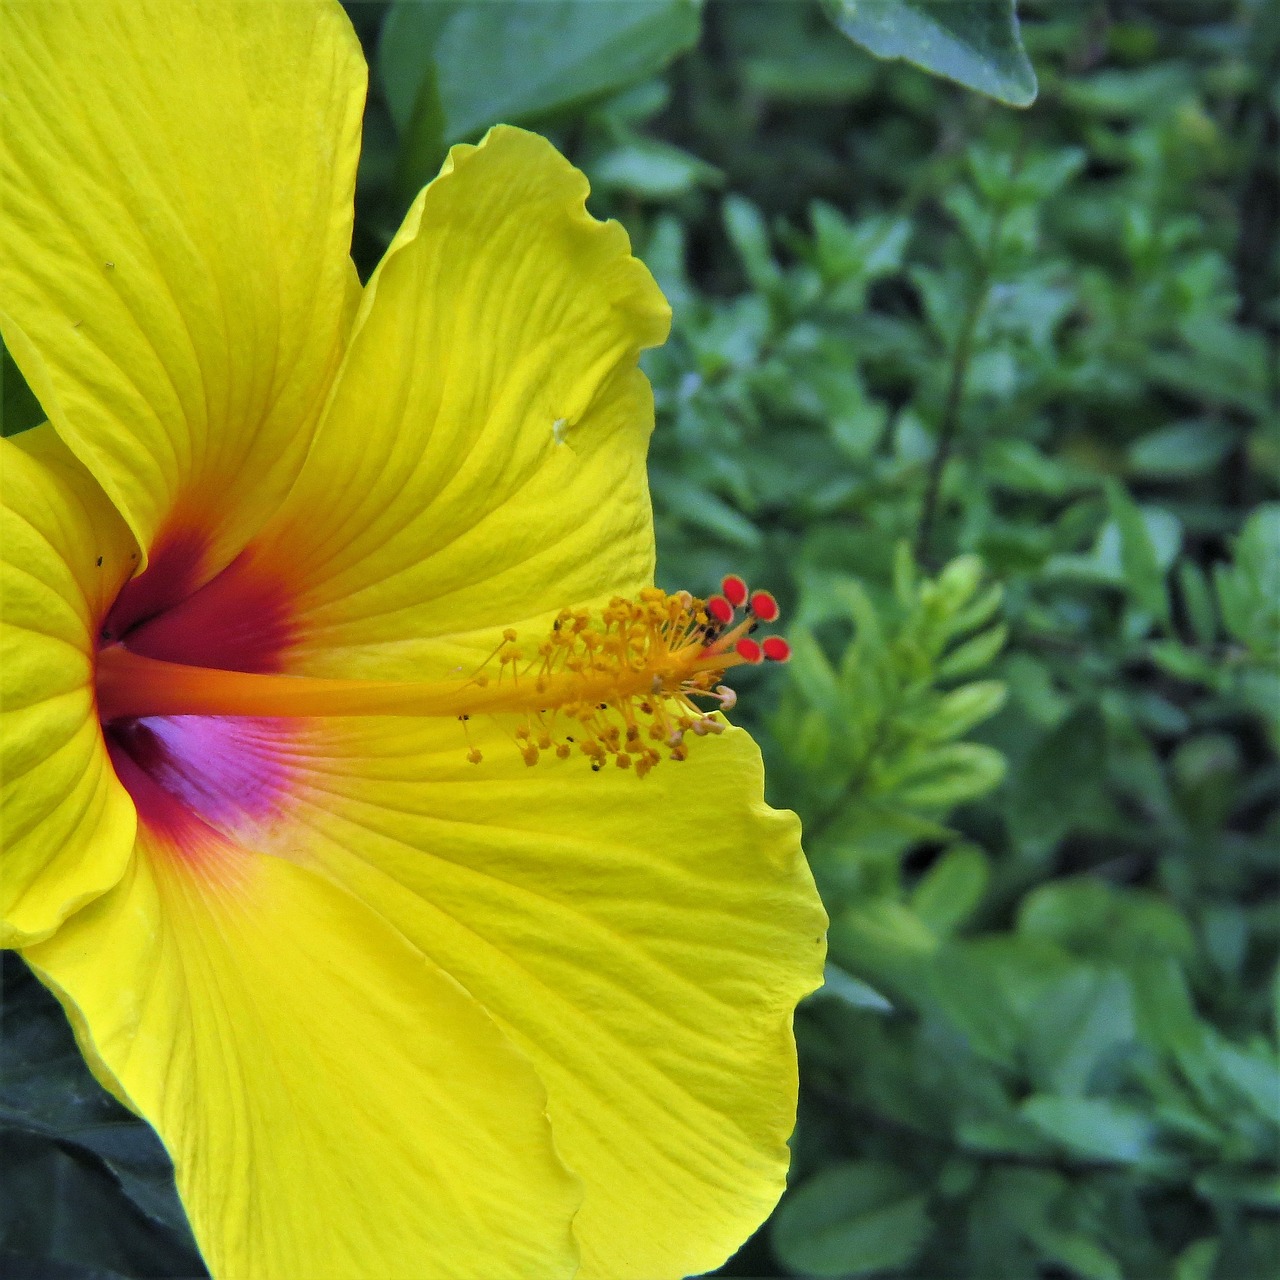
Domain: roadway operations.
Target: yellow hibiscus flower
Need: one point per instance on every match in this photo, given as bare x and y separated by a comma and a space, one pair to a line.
393, 1013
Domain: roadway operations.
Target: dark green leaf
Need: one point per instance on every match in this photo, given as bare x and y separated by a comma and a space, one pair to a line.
511, 62
19, 409
852, 1219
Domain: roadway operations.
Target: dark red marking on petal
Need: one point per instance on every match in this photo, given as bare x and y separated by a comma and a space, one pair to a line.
776, 649
735, 590
764, 606
749, 650
172, 573
160, 814
242, 620
719, 609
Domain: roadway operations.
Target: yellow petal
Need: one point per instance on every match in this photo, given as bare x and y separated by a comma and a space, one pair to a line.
174, 233
482, 459
335, 1106
644, 942
66, 823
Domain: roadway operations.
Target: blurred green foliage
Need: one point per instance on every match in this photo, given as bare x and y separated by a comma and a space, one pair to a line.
991, 400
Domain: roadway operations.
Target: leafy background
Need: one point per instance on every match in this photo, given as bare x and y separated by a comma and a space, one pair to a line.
990, 398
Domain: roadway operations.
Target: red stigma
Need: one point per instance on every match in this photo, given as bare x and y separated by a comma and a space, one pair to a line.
776, 649
735, 590
720, 609
764, 606
749, 651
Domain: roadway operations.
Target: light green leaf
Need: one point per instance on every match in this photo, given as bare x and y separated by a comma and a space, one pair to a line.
974, 654
976, 43
652, 170
750, 238
1096, 1128
839, 985
1184, 449
711, 513
958, 711
948, 775
811, 673
1083, 1022
1140, 559
952, 888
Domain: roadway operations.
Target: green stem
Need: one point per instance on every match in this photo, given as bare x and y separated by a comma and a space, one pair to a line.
961, 357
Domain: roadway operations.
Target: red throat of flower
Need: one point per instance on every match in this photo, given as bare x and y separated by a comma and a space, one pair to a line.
627, 684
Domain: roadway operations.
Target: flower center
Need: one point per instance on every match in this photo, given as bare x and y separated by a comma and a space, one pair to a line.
627, 684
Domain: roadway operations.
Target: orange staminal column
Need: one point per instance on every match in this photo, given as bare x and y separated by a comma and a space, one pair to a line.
625, 684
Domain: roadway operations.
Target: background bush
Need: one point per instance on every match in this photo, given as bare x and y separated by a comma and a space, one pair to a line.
990, 399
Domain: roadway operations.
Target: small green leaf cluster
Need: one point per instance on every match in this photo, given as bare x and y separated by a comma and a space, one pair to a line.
871, 748
1036, 756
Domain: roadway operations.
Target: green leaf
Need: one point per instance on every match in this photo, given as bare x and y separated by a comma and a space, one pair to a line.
851, 255
652, 170
839, 985
1184, 449
1096, 1128
1140, 560
1240, 1186
19, 409
1062, 780
1196, 1261
976, 43
1197, 598
1078, 1254
958, 982
711, 513
952, 888
750, 239
63, 1139
974, 654
811, 673
881, 932
949, 775
1167, 1020
422, 147
1082, 1024
957, 712
1249, 591
513, 62
1094, 919
852, 1219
